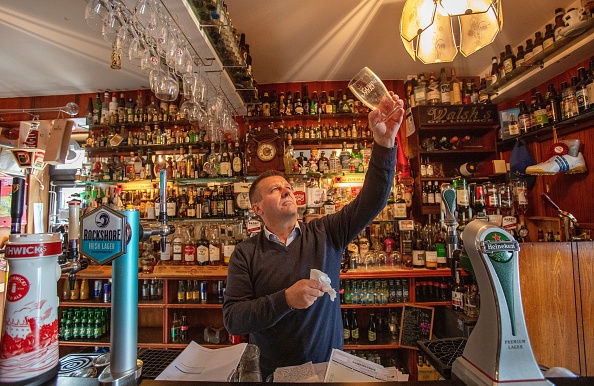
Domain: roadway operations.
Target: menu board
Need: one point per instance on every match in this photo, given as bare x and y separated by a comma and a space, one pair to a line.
416, 324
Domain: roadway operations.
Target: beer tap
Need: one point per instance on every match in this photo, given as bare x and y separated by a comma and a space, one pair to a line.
570, 223
163, 229
448, 198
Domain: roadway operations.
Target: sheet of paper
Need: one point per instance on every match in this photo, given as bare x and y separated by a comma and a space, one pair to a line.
298, 374
345, 367
197, 363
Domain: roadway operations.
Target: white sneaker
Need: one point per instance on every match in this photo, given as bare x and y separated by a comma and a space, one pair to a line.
559, 163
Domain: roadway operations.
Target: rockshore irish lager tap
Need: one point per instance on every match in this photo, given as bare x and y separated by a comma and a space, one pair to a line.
29, 348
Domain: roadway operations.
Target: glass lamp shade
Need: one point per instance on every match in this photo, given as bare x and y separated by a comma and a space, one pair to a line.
479, 30
436, 44
417, 15
462, 7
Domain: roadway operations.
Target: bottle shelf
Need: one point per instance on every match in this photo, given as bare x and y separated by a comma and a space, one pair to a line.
396, 273
99, 304
475, 150
565, 53
563, 127
175, 306
395, 305
305, 117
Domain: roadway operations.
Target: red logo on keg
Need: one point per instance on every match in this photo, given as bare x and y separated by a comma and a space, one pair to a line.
18, 287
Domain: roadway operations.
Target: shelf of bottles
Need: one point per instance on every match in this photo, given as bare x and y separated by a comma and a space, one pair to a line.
566, 111
540, 57
230, 48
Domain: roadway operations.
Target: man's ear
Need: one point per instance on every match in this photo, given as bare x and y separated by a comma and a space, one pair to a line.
257, 210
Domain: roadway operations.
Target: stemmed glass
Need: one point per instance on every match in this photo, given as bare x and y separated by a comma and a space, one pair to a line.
96, 12
370, 90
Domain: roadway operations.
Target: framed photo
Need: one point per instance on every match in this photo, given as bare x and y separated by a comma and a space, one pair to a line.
504, 118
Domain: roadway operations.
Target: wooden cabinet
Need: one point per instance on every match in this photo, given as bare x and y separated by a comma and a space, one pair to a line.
556, 283
469, 134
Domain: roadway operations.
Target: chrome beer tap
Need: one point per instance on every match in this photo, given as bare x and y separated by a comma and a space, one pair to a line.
74, 263
448, 198
163, 229
570, 223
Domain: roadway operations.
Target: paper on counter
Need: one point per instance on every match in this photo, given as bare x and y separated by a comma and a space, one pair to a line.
345, 367
197, 363
317, 275
304, 373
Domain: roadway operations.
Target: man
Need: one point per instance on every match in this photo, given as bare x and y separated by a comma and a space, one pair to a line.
269, 294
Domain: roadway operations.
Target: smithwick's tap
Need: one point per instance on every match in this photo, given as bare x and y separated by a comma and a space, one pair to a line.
448, 198
163, 229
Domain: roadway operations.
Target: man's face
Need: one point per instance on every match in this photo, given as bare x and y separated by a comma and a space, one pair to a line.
277, 201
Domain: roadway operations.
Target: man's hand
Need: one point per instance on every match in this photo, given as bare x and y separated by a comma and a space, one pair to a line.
384, 133
303, 293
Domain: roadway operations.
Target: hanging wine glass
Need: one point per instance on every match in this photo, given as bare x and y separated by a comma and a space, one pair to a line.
96, 12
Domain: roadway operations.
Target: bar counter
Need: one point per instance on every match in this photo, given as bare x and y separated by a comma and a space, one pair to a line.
66, 381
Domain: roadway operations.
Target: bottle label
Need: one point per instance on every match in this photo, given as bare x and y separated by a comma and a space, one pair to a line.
462, 198
418, 258
355, 333
457, 300
329, 208
189, 253
202, 254
347, 333
228, 251
400, 210
431, 258
237, 164
372, 336
214, 252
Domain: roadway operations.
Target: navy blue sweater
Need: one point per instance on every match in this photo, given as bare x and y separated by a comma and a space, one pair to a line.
260, 270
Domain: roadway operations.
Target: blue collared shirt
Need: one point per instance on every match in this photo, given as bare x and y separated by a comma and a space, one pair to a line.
274, 238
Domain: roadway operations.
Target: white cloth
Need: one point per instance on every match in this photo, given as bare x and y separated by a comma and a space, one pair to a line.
316, 274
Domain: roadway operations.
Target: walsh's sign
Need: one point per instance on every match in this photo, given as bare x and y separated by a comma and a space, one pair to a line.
455, 114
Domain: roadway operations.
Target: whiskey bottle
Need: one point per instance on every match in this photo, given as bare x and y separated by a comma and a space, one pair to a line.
214, 247
202, 248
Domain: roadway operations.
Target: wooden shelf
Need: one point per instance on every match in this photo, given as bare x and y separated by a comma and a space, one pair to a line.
396, 273
305, 117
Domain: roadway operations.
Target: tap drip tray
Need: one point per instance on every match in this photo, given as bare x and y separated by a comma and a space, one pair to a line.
154, 362
442, 353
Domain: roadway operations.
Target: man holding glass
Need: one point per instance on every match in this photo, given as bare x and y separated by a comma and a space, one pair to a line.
269, 294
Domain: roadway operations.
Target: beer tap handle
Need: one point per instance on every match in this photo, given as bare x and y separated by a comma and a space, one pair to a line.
561, 213
550, 201
448, 197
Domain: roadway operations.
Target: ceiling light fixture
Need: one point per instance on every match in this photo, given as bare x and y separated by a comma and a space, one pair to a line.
435, 30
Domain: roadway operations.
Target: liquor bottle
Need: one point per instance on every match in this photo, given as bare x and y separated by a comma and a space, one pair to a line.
237, 161
466, 92
354, 323
181, 291
400, 210
274, 104
420, 90
433, 92
529, 53
175, 329
305, 101
171, 204
189, 257
165, 255
537, 49
462, 194
458, 294
581, 91
372, 331
225, 163
298, 104
104, 119
184, 329
509, 61
418, 251
541, 117
590, 85
214, 247
494, 69
514, 128
346, 326
501, 66
559, 22
202, 248
455, 91
520, 56
524, 121
430, 248
323, 163
289, 104
329, 207
265, 104
549, 37
444, 88
97, 106
553, 104
177, 246
228, 245
139, 113
345, 157
113, 109
569, 106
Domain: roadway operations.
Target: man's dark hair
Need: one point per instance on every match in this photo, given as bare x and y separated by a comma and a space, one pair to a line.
254, 196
